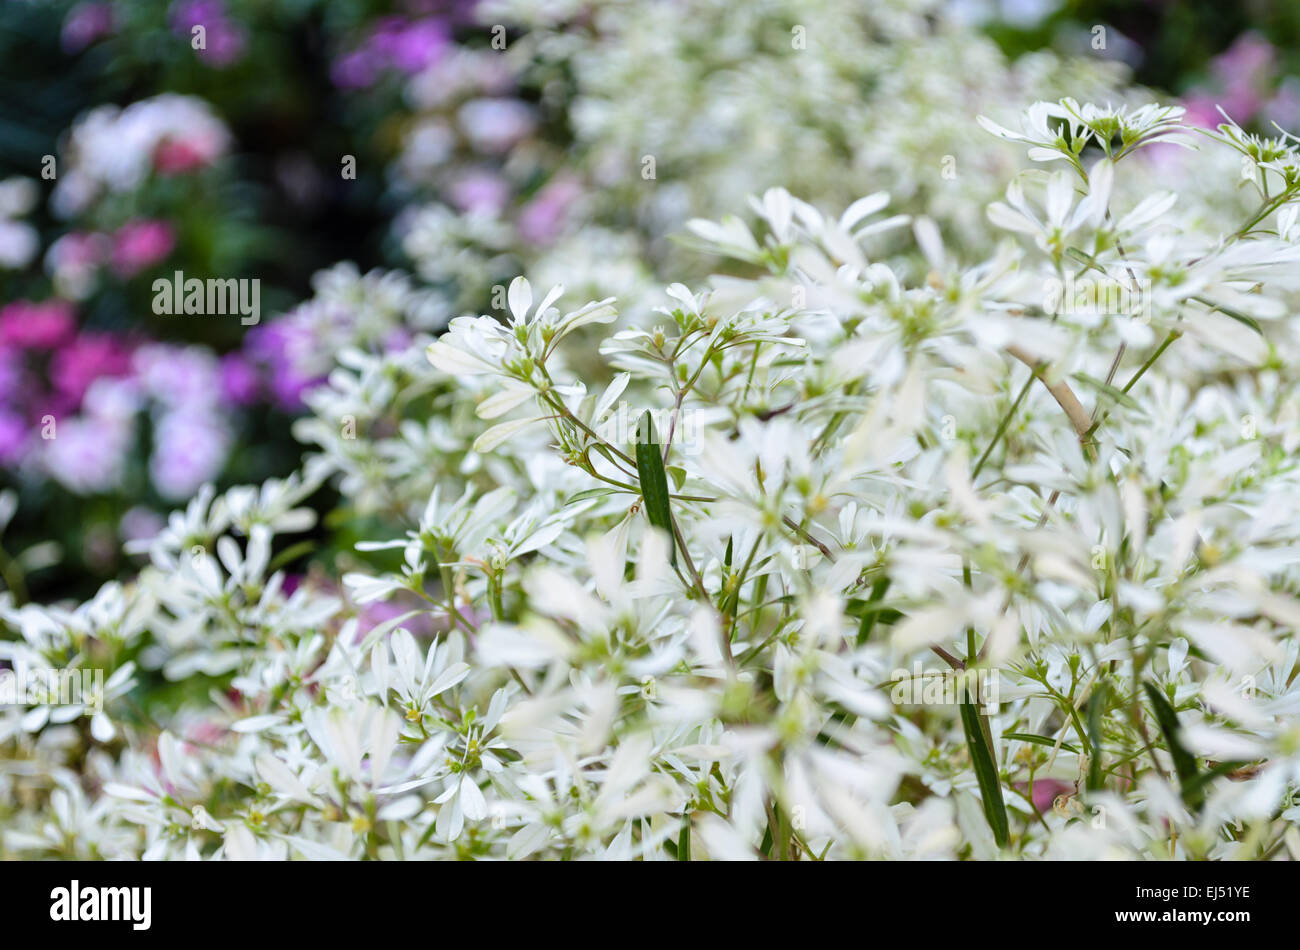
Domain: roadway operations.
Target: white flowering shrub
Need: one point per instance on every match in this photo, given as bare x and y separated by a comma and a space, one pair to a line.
838, 557
826, 98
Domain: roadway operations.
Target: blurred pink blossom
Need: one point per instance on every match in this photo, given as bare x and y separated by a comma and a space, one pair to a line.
542, 219
480, 192
87, 358
41, 326
138, 245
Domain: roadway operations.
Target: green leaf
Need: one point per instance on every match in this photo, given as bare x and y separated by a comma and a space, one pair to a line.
1083, 258
1096, 706
290, 554
1038, 740
986, 771
1234, 314
589, 493
870, 616
1203, 779
1114, 392
1192, 787
684, 839
654, 480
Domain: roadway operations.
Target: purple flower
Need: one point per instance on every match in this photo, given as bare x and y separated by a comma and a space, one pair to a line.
356, 70
240, 385
223, 41
178, 376
140, 524
85, 23
284, 350
189, 449
409, 47
14, 435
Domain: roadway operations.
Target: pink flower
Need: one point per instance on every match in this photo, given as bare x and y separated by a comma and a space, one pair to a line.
1201, 111
1046, 791
542, 219
41, 326
140, 244
173, 157
85, 359
480, 192
1248, 62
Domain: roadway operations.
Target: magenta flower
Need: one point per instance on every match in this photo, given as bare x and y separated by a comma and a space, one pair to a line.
409, 47
139, 245
84, 360
41, 326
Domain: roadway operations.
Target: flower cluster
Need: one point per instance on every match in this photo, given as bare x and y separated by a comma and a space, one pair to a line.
1059, 476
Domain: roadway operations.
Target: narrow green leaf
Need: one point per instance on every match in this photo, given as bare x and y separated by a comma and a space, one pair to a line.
870, 616
1096, 706
1192, 787
1203, 779
1039, 740
290, 554
1084, 258
589, 493
654, 480
1234, 314
1114, 392
986, 771
684, 839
